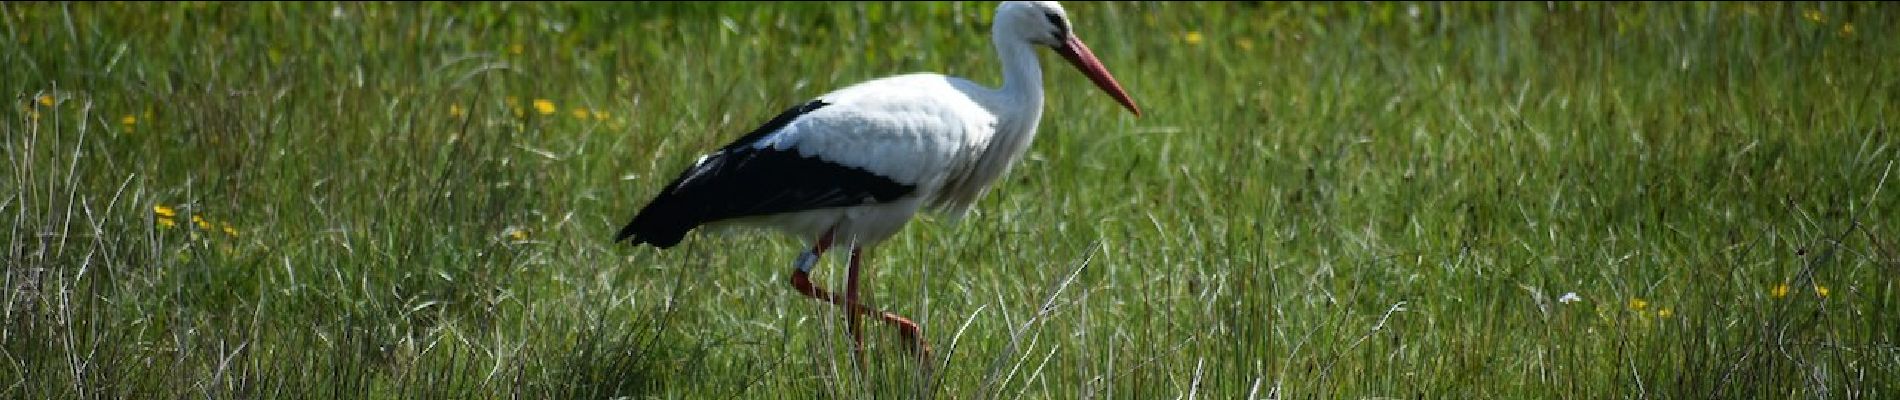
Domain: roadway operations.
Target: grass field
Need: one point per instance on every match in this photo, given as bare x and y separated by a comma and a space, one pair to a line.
1357, 200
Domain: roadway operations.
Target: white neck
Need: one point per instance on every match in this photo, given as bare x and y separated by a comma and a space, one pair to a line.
1018, 107
1022, 74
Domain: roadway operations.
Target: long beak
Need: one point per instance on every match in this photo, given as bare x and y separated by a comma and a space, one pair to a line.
1079, 55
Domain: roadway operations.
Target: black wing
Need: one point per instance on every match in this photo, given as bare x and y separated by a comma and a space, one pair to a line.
740, 180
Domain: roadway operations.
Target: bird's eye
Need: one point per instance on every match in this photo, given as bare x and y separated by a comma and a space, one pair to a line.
1062, 30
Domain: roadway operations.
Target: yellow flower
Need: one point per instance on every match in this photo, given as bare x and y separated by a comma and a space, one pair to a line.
166, 222
544, 106
1637, 303
1192, 37
229, 230
1665, 312
1847, 29
580, 113
129, 120
202, 223
46, 100
516, 49
600, 115
164, 211
1814, 15
1779, 291
455, 110
518, 234
1820, 290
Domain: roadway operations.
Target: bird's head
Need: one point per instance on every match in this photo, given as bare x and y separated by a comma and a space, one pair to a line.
1046, 23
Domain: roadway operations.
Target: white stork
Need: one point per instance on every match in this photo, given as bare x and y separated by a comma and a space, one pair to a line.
854, 165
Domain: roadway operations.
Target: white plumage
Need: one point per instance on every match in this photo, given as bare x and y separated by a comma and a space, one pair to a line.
855, 165
904, 129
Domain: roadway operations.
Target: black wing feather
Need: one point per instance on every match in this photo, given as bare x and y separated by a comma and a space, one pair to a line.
740, 180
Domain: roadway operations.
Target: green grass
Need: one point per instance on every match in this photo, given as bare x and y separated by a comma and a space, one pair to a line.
1321, 201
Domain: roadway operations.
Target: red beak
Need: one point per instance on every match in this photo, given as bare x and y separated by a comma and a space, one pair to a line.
1079, 55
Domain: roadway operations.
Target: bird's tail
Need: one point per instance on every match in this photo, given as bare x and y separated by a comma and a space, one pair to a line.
657, 224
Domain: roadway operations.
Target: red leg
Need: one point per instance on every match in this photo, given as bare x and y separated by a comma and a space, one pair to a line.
801, 281
913, 335
856, 325
801, 273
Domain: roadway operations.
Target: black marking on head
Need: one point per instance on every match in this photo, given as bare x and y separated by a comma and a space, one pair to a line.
740, 180
1062, 27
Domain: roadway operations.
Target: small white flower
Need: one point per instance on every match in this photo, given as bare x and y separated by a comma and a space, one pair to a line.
1569, 297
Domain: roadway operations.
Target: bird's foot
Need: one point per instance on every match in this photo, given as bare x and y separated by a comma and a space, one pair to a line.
913, 335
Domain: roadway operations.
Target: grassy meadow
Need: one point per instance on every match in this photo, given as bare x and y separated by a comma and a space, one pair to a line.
1340, 200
